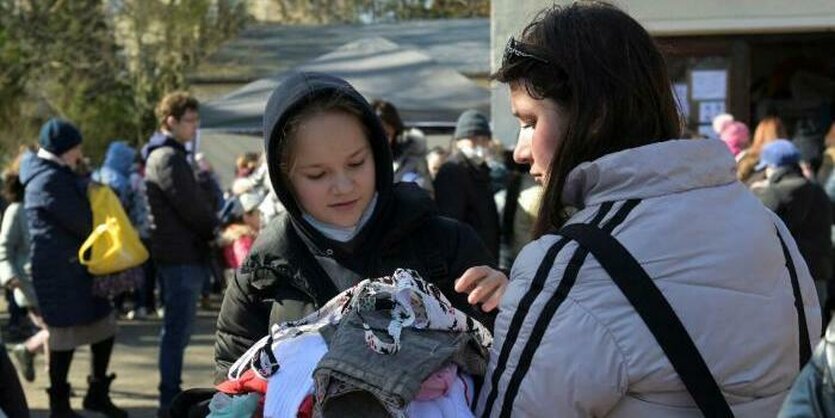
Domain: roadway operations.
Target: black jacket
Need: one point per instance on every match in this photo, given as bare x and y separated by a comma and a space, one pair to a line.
281, 280
463, 191
805, 209
183, 221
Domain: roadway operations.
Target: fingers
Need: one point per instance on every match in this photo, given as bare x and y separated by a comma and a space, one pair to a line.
494, 299
471, 277
484, 289
483, 285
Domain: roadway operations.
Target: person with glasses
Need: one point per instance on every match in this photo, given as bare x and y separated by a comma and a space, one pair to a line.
183, 226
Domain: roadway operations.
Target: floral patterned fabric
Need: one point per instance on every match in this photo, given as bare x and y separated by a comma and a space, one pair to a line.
411, 301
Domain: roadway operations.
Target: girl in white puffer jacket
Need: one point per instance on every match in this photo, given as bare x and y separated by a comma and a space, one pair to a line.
670, 291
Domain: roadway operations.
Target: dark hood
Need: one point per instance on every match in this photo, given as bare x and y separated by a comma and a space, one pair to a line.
294, 93
159, 140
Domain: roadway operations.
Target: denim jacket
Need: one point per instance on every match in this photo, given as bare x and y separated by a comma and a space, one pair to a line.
813, 392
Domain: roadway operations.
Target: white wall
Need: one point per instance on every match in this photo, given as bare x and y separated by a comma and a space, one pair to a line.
663, 18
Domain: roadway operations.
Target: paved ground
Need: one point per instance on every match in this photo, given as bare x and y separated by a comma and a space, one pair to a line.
135, 362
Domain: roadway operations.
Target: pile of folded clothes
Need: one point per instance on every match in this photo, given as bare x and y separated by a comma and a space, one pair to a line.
387, 347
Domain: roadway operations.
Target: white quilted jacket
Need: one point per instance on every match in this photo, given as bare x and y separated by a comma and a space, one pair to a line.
713, 251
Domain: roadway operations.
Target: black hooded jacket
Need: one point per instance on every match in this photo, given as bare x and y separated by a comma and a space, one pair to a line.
281, 280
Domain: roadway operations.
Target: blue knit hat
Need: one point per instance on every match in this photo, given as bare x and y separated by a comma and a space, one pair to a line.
470, 124
59, 136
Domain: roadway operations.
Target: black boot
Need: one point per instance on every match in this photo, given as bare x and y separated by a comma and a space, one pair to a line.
59, 402
98, 397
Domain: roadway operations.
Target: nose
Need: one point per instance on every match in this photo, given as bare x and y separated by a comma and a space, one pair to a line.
343, 183
522, 151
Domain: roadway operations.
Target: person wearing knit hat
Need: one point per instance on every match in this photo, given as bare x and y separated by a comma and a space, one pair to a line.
60, 220
721, 121
736, 136
60, 142
472, 124
463, 188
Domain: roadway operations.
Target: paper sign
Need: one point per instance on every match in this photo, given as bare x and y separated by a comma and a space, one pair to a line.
707, 131
680, 91
709, 84
710, 110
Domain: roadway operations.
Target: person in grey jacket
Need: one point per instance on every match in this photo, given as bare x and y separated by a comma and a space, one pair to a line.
657, 285
15, 264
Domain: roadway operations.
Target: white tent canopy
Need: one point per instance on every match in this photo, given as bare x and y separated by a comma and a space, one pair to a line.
425, 93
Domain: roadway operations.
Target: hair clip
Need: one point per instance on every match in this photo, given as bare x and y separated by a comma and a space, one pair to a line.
519, 49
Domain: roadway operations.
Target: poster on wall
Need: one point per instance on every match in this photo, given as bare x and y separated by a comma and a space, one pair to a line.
710, 110
709, 84
706, 131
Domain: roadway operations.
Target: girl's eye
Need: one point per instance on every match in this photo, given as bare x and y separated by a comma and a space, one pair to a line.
315, 176
357, 164
529, 125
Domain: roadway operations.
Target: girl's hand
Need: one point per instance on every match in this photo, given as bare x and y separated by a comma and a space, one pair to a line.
484, 285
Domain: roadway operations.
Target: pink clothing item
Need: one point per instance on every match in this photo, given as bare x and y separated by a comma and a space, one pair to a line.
736, 136
248, 382
236, 252
438, 384
455, 404
720, 122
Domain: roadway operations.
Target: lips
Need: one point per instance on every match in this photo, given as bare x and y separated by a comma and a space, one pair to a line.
346, 205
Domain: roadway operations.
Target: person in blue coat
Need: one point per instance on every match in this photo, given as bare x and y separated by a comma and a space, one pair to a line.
119, 173
60, 219
116, 171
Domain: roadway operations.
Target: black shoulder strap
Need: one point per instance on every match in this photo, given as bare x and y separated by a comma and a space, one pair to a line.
803, 334
657, 313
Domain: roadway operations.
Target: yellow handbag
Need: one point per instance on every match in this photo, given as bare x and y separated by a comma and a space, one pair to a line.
114, 244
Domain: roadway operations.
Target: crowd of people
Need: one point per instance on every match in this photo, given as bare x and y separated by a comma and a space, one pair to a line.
604, 267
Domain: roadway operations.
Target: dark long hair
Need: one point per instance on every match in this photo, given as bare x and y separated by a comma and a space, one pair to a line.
390, 116
607, 74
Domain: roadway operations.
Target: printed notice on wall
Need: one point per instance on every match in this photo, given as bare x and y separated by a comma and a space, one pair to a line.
709, 84
706, 131
710, 110
680, 90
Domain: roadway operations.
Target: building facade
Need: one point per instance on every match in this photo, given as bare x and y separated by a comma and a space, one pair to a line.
749, 58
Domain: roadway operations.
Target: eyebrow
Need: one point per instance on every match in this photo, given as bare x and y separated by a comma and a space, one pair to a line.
354, 154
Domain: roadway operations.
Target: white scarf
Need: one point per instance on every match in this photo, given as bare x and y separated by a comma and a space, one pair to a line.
46, 155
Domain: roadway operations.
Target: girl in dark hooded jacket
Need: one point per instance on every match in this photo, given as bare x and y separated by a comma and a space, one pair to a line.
330, 164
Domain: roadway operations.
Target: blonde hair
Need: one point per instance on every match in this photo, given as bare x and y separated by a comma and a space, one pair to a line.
829, 139
769, 129
248, 160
